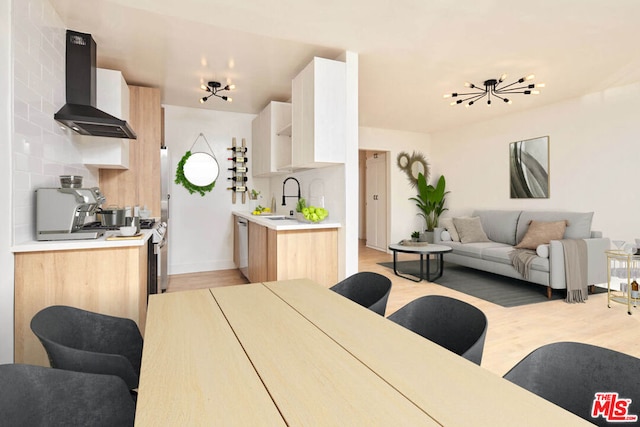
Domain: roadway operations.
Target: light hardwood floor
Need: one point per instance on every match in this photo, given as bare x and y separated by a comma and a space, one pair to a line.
512, 333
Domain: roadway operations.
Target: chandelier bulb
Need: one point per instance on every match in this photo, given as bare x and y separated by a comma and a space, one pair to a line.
530, 77
447, 95
231, 87
228, 99
535, 92
540, 84
203, 100
502, 78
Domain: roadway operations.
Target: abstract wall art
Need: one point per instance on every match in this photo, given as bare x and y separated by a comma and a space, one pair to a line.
529, 168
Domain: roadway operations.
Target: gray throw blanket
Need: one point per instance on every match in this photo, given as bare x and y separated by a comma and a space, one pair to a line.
521, 260
575, 267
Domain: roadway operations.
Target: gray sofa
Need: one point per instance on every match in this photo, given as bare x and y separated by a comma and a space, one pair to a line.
505, 228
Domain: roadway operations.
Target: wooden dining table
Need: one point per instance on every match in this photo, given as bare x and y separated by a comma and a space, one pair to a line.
294, 353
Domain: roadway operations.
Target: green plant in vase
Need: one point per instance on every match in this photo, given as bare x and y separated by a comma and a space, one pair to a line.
430, 200
415, 236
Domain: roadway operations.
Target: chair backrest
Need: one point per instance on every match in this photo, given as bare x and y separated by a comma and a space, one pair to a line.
570, 374
39, 396
366, 288
80, 340
451, 323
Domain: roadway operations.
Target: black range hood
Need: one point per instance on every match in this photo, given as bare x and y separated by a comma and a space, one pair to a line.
80, 113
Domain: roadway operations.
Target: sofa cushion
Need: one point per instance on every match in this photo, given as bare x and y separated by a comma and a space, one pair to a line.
470, 230
578, 226
499, 225
541, 233
447, 223
500, 255
473, 250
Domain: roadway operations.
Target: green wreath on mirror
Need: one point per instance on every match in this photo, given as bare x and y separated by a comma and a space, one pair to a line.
182, 180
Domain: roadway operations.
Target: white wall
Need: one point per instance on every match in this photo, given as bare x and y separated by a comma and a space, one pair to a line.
594, 160
41, 150
201, 228
402, 213
6, 257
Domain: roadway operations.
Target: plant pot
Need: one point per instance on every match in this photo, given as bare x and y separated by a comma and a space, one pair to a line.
437, 234
426, 236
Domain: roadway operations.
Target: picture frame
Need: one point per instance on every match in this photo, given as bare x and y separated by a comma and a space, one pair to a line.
529, 168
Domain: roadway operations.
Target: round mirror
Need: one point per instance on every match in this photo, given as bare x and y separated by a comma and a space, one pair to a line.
403, 160
418, 167
201, 169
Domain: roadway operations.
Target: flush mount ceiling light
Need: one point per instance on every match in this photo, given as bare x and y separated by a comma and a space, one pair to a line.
213, 88
493, 87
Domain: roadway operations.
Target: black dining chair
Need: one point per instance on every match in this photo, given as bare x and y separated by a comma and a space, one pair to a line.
590, 381
369, 289
84, 341
38, 396
449, 322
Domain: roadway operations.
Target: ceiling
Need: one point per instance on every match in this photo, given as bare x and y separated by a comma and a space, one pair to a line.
411, 52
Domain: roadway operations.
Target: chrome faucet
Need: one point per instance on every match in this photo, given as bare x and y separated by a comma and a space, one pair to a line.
284, 202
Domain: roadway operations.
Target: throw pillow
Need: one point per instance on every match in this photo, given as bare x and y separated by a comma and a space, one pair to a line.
447, 223
470, 230
541, 233
543, 251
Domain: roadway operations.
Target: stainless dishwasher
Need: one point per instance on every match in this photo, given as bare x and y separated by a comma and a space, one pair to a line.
243, 245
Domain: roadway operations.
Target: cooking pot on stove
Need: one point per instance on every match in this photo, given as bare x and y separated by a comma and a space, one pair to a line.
112, 216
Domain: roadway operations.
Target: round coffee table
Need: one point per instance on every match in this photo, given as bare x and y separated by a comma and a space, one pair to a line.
422, 250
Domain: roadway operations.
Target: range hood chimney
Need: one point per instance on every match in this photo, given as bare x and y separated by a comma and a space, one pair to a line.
80, 113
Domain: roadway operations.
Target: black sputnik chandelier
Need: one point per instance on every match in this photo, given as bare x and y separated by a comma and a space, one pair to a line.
213, 88
496, 89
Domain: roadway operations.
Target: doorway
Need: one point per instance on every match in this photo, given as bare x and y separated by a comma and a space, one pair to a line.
373, 203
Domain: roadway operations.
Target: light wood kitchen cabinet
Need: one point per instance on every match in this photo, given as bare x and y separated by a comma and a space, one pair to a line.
312, 254
257, 253
110, 281
291, 254
140, 184
271, 140
319, 115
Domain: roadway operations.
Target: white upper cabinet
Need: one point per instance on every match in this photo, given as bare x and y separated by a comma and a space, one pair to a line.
319, 115
112, 96
271, 140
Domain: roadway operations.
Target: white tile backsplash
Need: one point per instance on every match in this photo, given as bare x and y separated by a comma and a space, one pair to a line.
41, 150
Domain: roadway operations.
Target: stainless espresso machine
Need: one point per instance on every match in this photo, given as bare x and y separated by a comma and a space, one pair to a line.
61, 212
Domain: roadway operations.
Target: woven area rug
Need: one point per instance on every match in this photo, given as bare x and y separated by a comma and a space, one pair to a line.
501, 290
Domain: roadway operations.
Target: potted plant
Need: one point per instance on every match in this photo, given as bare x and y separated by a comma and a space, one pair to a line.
430, 200
415, 236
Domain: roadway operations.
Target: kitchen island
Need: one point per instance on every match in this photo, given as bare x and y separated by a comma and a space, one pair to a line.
281, 249
102, 275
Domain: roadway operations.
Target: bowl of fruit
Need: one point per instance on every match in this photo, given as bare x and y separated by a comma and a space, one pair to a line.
310, 214
261, 210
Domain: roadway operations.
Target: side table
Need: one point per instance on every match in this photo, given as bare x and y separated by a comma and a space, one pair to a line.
621, 263
422, 250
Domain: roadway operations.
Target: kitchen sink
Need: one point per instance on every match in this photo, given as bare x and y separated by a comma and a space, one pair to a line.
281, 218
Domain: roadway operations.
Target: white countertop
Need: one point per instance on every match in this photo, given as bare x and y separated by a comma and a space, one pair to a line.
290, 224
65, 245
